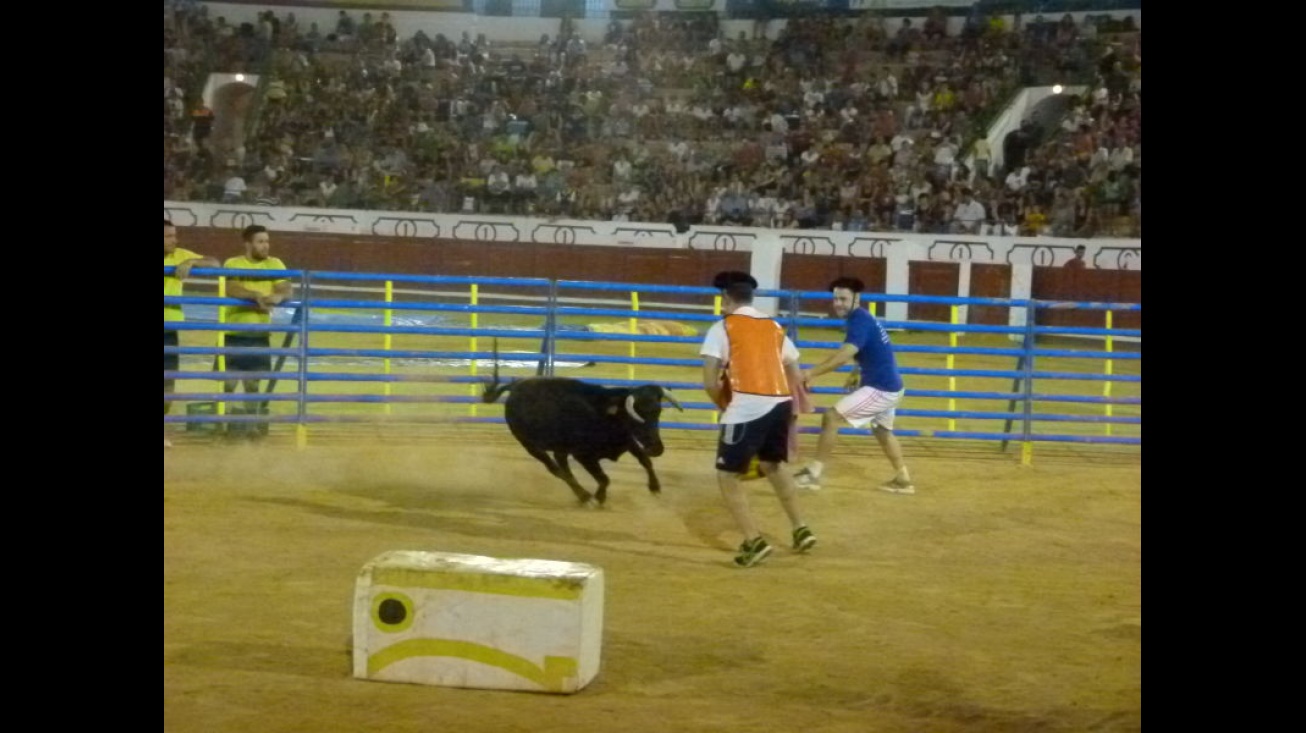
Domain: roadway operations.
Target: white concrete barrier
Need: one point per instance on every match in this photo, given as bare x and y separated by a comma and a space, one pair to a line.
452, 620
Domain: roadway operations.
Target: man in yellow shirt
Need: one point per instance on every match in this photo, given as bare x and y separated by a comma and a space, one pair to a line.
183, 260
265, 292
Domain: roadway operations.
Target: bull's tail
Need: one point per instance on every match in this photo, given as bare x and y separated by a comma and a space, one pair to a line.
494, 389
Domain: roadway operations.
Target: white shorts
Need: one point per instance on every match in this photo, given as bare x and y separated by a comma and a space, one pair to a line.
870, 405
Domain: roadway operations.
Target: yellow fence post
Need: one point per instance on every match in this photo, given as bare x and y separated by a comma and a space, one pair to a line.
222, 339
1110, 369
471, 388
952, 380
716, 311
388, 342
634, 328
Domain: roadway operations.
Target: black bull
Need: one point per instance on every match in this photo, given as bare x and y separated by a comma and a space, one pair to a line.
589, 422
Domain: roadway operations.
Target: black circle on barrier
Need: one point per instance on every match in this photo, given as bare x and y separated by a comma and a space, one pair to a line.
961, 251
804, 246
392, 612
241, 219
1124, 258
564, 235
406, 228
484, 232
874, 247
1043, 256
725, 243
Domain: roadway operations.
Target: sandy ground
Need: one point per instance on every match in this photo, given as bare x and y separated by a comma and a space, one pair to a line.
1000, 598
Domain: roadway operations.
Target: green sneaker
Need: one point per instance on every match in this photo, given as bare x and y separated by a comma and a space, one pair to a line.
752, 552
804, 539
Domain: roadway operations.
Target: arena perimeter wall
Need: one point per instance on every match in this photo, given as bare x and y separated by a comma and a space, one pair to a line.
645, 253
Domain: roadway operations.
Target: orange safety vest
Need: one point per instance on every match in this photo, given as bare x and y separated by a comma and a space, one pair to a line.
755, 363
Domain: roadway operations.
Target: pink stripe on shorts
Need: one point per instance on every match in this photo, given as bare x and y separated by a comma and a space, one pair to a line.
869, 405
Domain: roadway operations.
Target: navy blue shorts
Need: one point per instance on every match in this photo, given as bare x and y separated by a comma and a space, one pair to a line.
171, 362
247, 362
767, 437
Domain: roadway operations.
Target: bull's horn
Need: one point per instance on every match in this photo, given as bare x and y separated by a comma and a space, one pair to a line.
630, 407
666, 395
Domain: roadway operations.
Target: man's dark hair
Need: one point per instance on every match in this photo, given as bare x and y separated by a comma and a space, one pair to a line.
726, 278
850, 283
740, 292
248, 233
1080, 248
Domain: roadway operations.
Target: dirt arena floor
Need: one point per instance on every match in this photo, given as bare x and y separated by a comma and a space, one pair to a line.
1001, 597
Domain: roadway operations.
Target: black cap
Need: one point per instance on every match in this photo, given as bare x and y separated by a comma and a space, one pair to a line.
726, 278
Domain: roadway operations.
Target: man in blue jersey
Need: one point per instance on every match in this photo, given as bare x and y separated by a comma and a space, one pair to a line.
879, 390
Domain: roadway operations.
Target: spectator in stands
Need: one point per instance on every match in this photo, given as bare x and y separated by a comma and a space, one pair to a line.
968, 215
1034, 220
813, 95
345, 26
233, 190
498, 188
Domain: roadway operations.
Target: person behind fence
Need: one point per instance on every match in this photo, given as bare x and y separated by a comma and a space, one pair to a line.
1077, 262
266, 293
748, 366
183, 260
877, 394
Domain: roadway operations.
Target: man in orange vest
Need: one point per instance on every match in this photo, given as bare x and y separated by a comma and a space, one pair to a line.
749, 365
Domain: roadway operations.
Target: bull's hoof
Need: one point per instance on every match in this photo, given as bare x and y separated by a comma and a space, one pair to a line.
591, 504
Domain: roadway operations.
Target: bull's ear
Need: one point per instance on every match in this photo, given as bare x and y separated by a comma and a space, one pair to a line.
615, 403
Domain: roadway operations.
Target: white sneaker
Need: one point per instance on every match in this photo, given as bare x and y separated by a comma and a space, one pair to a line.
805, 479
167, 443
898, 486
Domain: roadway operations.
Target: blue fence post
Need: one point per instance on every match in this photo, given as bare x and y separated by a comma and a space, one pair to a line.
794, 301
1027, 428
551, 326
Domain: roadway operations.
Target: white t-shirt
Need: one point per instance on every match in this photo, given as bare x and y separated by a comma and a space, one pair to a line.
969, 213
744, 407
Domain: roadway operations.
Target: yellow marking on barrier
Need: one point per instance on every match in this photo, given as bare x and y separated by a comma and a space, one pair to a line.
1027, 453
558, 588
553, 675
301, 436
634, 328
471, 388
388, 342
952, 379
1110, 369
